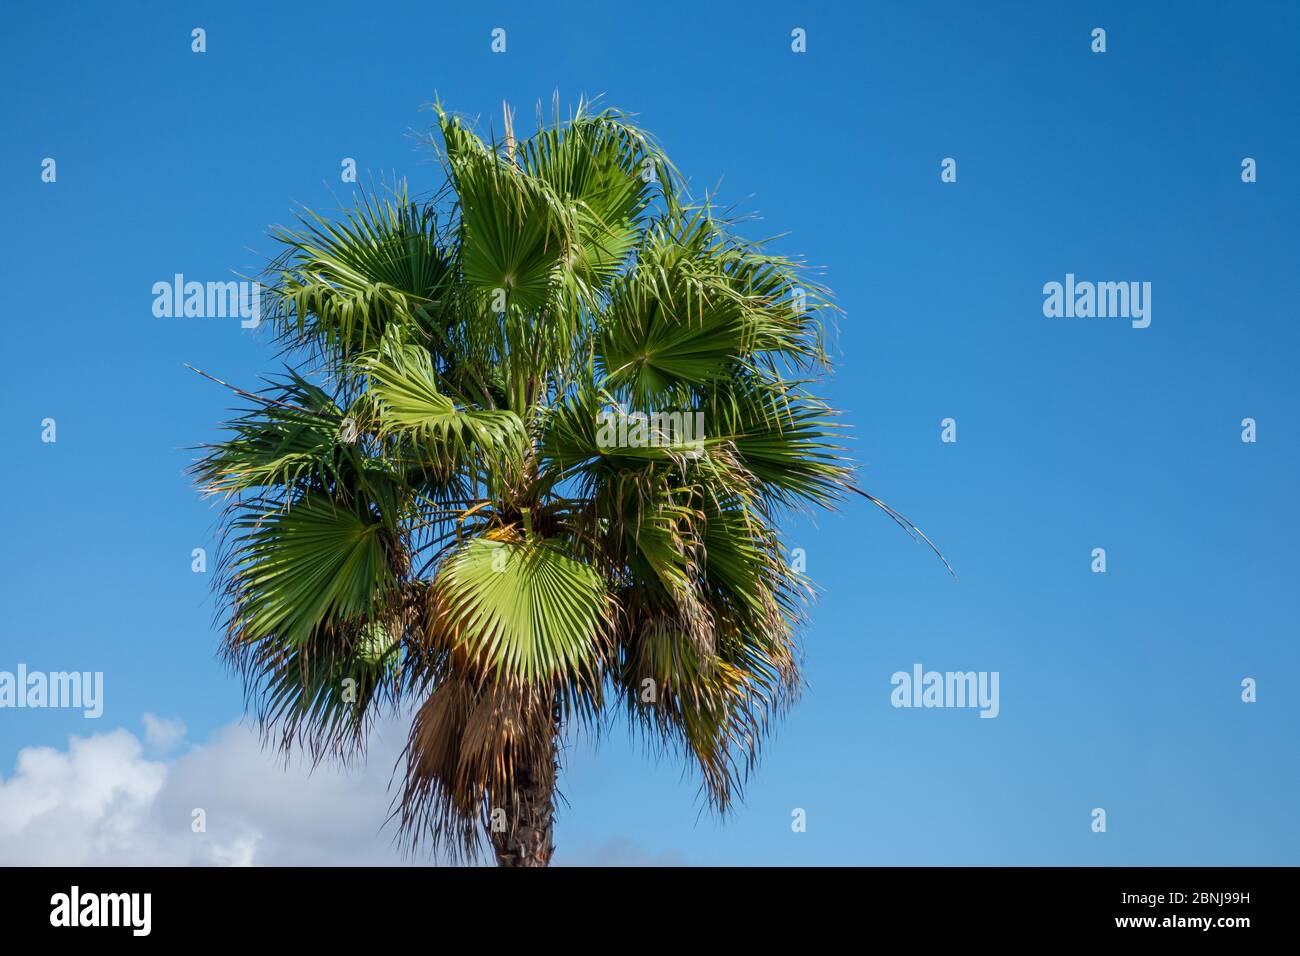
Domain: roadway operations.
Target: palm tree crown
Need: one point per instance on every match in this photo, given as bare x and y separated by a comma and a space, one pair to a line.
526, 471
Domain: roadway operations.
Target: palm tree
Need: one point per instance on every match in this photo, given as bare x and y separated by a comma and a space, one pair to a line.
474, 494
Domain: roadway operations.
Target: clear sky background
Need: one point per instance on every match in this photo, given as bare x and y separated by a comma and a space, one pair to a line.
1119, 690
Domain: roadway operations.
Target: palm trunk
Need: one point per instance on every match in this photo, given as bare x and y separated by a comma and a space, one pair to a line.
527, 839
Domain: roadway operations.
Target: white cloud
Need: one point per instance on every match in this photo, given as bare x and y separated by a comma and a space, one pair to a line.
118, 799
105, 801
161, 734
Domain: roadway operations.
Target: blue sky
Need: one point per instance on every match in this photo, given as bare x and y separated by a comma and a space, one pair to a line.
1118, 690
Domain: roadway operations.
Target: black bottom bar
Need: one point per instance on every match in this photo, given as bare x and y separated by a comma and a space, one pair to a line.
347, 906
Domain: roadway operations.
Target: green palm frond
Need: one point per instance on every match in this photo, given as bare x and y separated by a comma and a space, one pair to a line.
344, 282
315, 563
524, 612
609, 171
515, 230
293, 437
675, 320
405, 387
787, 438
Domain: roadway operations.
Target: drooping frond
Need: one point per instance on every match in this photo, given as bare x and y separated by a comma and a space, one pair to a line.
292, 439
